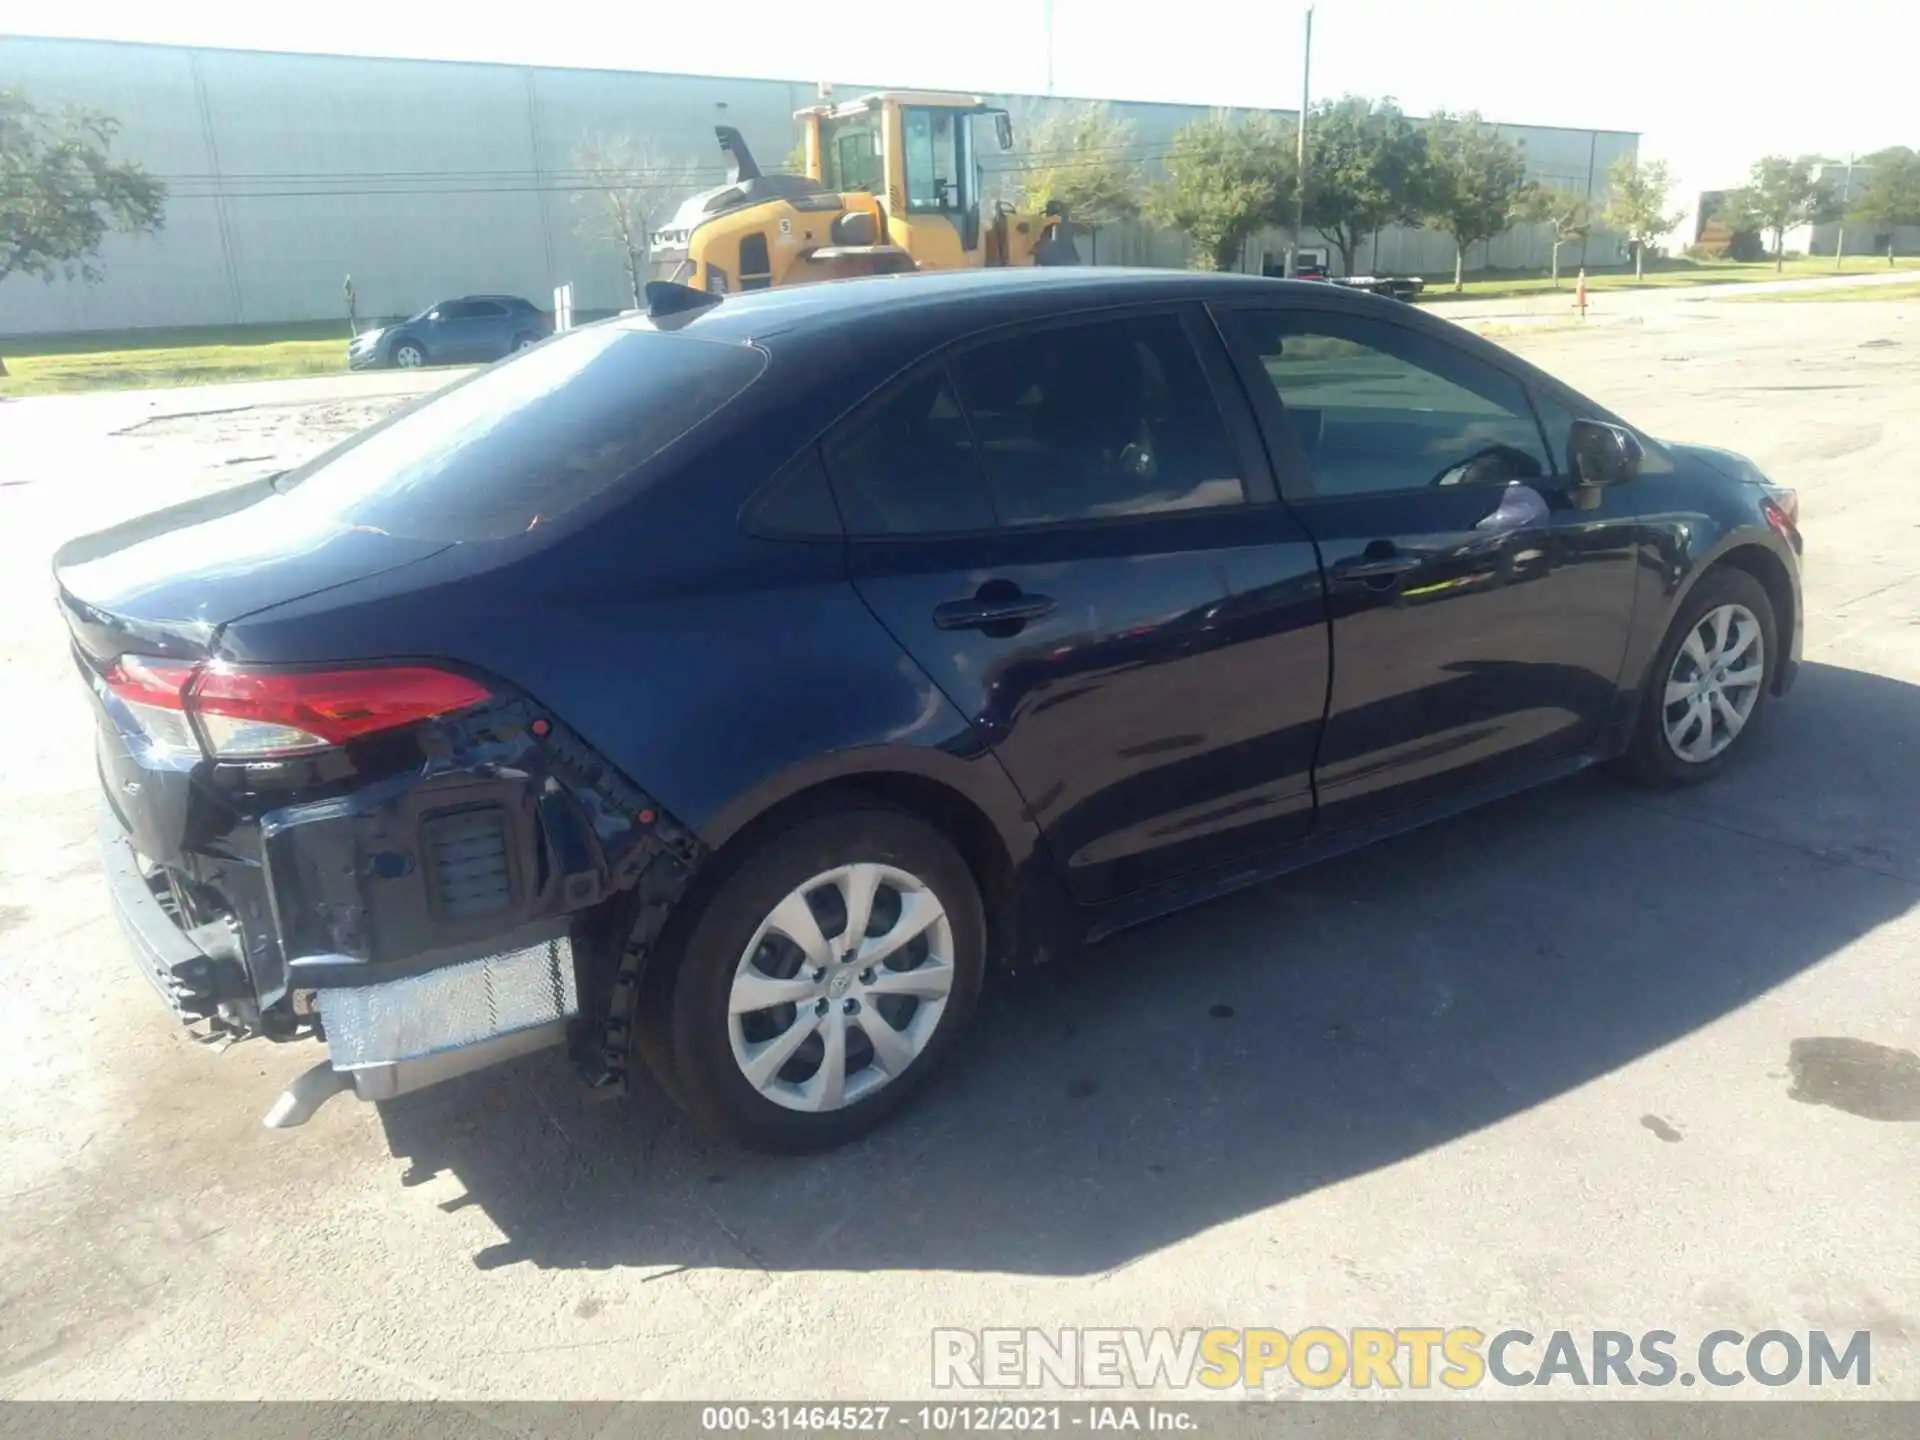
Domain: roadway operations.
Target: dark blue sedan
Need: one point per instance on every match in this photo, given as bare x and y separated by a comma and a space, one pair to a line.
728, 688
471, 330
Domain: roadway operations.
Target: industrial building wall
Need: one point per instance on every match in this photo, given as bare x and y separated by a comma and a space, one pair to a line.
1861, 237
424, 179
1847, 184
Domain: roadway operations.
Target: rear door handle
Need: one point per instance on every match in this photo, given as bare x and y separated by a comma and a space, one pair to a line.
1376, 571
980, 612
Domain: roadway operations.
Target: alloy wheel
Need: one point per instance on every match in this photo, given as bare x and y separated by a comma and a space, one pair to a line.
841, 987
408, 357
1714, 683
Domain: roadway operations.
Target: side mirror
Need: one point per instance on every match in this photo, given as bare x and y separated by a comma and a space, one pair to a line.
1600, 454
433, 317
1003, 129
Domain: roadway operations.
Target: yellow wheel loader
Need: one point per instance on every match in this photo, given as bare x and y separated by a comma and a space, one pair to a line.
892, 184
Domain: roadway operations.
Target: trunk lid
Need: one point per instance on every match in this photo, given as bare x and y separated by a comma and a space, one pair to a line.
164, 585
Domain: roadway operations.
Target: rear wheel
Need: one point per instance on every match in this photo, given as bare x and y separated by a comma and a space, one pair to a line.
409, 355
524, 342
824, 979
1708, 684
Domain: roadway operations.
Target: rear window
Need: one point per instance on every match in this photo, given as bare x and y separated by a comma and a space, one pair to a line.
529, 439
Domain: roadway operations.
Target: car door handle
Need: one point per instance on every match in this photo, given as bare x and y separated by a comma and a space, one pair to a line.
981, 611
1375, 571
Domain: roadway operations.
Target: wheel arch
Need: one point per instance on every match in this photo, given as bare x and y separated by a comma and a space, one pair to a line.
1747, 548
1752, 553
1771, 571
1025, 907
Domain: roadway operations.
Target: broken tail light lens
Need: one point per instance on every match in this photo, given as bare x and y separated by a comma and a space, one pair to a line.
253, 714
1782, 510
151, 691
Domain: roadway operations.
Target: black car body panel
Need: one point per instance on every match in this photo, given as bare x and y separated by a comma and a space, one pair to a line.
1205, 696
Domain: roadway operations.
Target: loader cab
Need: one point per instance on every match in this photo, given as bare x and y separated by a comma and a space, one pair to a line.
916, 153
850, 151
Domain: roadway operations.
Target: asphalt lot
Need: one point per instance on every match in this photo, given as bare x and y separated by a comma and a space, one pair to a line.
1535, 1067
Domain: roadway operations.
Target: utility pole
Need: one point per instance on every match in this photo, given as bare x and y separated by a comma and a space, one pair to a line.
1048, 8
1593, 146
1300, 155
1846, 199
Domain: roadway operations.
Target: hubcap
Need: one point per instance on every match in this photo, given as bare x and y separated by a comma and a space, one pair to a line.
841, 987
408, 357
1714, 683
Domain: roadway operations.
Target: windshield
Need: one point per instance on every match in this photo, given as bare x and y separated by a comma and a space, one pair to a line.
527, 440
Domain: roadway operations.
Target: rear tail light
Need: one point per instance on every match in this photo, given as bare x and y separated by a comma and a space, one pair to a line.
246, 714
1782, 509
151, 690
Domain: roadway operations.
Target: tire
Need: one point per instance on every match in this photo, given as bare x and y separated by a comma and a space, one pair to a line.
523, 342
409, 355
1654, 758
709, 1047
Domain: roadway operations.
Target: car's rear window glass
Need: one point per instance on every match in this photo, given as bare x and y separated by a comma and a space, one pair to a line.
528, 439
907, 466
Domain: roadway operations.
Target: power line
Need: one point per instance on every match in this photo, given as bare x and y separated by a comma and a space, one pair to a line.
349, 186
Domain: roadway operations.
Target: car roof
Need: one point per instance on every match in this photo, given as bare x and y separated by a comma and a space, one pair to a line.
955, 300
852, 333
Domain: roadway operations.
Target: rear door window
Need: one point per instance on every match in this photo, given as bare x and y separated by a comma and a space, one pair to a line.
1097, 421
522, 443
907, 465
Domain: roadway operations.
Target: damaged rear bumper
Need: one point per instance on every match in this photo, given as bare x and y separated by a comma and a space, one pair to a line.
465, 911
384, 1039
184, 966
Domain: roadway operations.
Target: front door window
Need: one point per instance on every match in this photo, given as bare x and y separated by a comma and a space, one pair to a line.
939, 146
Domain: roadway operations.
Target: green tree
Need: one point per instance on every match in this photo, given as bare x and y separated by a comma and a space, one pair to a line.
1228, 178
1891, 197
61, 191
1567, 213
1782, 193
1636, 204
1365, 161
1738, 217
1473, 178
1083, 159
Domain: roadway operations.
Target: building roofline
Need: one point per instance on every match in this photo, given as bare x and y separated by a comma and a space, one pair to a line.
740, 79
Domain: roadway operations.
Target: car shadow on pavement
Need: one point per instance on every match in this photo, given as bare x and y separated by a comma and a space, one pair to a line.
1217, 1063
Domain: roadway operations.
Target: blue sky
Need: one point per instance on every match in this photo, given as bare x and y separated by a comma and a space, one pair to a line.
1710, 85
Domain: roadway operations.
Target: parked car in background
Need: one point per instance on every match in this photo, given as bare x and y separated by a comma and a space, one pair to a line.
468, 331
1313, 266
1393, 287
727, 688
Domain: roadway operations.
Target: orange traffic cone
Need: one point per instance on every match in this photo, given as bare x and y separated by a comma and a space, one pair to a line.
1580, 293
